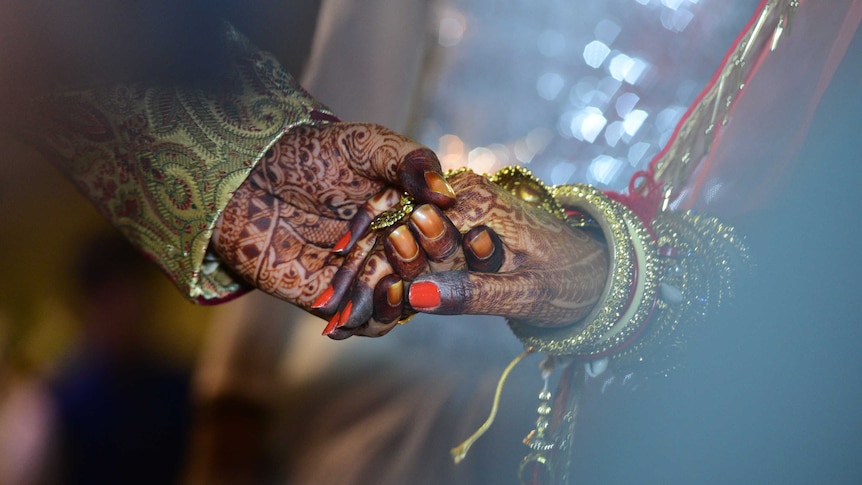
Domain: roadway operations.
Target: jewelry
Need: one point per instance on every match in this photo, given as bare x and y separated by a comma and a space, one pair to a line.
662, 279
394, 216
632, 283
678, 269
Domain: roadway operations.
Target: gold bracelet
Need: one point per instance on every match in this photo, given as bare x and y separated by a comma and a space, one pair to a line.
675, 271
632, 276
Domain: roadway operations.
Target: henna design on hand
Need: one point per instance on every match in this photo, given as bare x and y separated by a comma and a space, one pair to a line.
551, 274
316, 187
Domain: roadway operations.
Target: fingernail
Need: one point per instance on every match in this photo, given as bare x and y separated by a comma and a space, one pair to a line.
345, 314
482, 245
424, 295
324, 297
439, 185
333, 322
395, 293
342, 243
429, 223
404, 243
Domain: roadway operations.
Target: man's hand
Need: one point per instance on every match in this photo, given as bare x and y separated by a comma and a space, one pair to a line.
312, 197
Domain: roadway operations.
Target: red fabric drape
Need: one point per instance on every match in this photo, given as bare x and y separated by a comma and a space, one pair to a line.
752, 155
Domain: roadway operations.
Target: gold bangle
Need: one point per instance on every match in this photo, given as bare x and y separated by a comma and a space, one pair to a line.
675, 271
701, 258
632, 276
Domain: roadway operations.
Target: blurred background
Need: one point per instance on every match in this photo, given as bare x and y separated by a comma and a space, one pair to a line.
767, 392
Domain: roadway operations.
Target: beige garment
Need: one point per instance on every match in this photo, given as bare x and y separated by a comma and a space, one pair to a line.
162, 161
367, 58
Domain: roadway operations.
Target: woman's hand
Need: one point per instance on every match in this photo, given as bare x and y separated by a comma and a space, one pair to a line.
313, 195
523, 263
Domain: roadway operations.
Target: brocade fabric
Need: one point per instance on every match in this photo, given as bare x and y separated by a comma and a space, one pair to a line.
162, 161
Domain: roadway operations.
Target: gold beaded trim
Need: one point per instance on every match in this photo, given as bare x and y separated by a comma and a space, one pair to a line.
693, 276
698, 276
627, 297
394, 216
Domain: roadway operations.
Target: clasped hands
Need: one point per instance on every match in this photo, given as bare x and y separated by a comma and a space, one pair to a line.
298, 228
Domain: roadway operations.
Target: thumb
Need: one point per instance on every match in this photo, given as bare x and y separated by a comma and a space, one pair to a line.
382, 154
529, 295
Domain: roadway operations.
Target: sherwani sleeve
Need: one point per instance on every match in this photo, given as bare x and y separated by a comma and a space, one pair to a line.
162, 160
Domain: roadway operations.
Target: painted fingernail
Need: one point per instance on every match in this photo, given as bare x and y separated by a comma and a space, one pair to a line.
404, 243
345, 314
333, 322
428, 221
324, 297
439, 185
342, 243
482, 245
424, 295
395, 293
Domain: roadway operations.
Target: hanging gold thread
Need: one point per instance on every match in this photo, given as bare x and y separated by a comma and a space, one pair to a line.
460, 451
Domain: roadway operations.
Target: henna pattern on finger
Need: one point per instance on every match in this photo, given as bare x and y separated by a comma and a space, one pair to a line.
261, 238
438, 238
551, 274
361, 222
388, 299
404, 253
280, 227
346, 276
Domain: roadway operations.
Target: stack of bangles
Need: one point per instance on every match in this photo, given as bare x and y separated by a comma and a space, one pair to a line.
665, 274
668, 270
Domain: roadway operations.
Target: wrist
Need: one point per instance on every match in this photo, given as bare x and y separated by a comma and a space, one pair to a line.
662, 275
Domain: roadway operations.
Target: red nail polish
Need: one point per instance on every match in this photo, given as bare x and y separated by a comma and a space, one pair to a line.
342, 243
324, 298
345, 314
333, 322
424, 295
